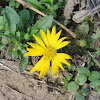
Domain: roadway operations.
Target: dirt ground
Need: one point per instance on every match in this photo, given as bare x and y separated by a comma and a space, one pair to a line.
23, 86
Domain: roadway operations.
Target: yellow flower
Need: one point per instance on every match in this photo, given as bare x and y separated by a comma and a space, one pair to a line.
48, 47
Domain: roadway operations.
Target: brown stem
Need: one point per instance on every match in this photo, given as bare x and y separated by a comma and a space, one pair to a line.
39, 12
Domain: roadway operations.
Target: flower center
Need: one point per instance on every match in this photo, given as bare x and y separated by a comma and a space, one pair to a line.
49, 53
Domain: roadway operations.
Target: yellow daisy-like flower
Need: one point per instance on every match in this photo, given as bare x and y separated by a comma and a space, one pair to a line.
48, 47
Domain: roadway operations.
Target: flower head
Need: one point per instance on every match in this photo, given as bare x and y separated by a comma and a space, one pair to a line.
48, 47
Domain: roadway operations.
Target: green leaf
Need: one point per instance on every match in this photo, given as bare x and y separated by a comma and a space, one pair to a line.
12, 18
2, 21
1, 45
12, 3
36, 4
72, 86
53, 13
96, 36
95, 83
25, 15
44, 23
85, 91
47, 2
27, 36
97, 51
79, 97
67, 79
17, 4
82, 43
72, 68
94, 76
14, 54
86, 29
6, 40
84, 70
81, 79
23, 63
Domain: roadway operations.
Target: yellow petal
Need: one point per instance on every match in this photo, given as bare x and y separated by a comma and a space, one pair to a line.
35, 46
39, 41
60, 65
44, 68
44, 38
58, 35
65, 62
53, 33
63, 44
38, 64
54, 39
63, 56
55, 68
48, 37
29, 49
60, 40
33, 52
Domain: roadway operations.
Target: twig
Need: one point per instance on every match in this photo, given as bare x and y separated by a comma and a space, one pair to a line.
39, 12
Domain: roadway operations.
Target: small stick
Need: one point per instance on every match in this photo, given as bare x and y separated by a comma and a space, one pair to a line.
39, 12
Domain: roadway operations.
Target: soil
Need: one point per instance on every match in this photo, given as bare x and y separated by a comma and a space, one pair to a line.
23, 86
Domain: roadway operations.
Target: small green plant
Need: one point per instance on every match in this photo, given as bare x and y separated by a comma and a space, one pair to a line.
15, 34
66, 81
84, 76
50, 6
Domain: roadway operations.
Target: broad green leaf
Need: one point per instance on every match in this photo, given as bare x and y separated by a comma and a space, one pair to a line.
79, 97
25, 15
81, 79
12, 13
12, 18
85, 91
84, 70
36, 4
44, 23
94, 76
72, 86
95, 83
